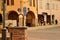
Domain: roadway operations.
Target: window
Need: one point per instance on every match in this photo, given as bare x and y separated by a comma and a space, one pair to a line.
47, 6
30, 2
40, 4
34, 3
53, 6
12, 2
56, 7
7, 2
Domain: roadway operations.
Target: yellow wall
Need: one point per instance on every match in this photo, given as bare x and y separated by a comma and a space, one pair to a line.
17, 5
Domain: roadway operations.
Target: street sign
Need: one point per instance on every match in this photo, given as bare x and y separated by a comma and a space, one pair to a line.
24, 9
19, 10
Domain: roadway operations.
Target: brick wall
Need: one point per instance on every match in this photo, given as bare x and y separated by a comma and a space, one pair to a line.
18, 33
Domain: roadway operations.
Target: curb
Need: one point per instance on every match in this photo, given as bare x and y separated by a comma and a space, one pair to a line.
42, 27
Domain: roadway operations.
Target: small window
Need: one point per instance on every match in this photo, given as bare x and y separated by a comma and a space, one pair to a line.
47, 6
40, 4
7, 2
30, 2
34, 3
12, 2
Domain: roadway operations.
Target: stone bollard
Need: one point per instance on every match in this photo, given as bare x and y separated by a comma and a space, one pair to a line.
18, 33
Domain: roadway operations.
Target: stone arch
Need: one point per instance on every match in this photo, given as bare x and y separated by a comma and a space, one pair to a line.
0, 18
30, 19
13, 15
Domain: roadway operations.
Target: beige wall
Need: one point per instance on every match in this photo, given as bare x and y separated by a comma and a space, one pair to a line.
54, 8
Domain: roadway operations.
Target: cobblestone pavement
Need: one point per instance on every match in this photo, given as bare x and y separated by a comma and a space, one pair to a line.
52, 33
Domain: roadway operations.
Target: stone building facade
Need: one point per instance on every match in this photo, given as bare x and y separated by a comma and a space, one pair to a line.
30, 12
48, 11
20, 13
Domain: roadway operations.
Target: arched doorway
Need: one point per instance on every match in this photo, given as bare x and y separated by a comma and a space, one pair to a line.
40, 18
0, 19
13, 16
30, 19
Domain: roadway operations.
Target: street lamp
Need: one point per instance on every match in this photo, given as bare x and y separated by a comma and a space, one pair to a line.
3, 19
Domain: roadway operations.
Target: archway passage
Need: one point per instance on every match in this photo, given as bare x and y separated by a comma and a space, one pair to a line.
0, 18
30, 19
40, 19
13, 16
48, 19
